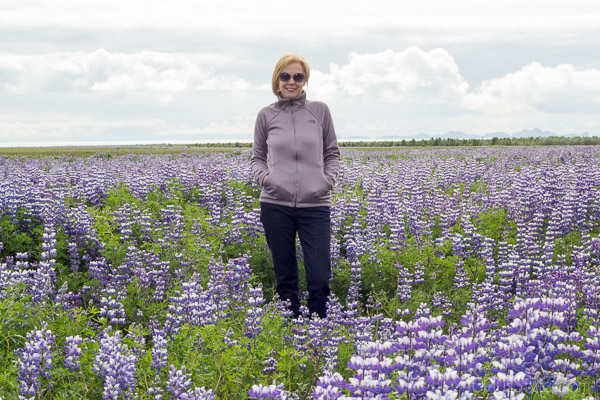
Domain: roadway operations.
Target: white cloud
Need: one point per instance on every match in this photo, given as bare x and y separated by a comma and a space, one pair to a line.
153, 74
228, 14
84, 95
416, 80
423, 91
555, 90
410, 78
247, 24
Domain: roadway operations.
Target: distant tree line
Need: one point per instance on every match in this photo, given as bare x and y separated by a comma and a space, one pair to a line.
434, 142
525, 141
228, 145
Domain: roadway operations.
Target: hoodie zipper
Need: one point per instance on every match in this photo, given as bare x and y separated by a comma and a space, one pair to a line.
296, 149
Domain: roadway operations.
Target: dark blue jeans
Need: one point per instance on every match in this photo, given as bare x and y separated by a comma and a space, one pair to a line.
313, 225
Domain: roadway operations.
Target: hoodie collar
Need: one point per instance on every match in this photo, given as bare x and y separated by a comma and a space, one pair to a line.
289, 104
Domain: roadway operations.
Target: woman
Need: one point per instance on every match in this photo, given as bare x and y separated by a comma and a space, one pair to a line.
295, 161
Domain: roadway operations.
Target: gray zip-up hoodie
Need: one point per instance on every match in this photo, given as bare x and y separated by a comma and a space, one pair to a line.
295, 148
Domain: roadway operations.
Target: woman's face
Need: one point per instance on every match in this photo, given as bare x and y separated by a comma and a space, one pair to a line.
291, 89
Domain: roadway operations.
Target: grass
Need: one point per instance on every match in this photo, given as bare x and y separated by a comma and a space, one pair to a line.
117, 150
86, 151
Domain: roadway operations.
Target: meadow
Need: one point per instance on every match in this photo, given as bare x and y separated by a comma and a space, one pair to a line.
458, 273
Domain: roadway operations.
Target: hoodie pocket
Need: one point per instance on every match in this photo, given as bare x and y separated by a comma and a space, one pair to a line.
277, 187
328, 185
267, 182
314, 189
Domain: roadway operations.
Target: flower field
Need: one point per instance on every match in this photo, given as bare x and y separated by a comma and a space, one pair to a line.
465, 273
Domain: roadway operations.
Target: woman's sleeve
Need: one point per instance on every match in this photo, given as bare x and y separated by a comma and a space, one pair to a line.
258, 162
331, 151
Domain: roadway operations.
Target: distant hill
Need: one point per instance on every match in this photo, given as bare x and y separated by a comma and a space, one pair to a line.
526, 133
418, 136
499, 135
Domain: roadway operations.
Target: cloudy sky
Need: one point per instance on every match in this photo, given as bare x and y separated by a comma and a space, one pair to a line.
139, 71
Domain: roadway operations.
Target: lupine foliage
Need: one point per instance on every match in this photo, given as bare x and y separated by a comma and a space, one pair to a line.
457, 273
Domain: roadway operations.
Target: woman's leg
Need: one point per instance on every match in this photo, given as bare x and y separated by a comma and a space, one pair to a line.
314, 230
280, 231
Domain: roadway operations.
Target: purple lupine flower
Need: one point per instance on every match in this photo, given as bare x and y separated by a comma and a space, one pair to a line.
441, 394
283, 307
440, 301
35, 362
353, 295
372, 368
159, 351
449, 379
419, 272
329, 386
461, 280
404, 288
65, 299
72, 352
423, 311
254, 312
179, 383
591, 357
509, 394
48, 243
112, 308
411, 383
115, 364
403, 312
270, 365
510, 380
229, 337
369, 384
563, 385
261, 391
300, 331
199, 394
73, 256
155, 390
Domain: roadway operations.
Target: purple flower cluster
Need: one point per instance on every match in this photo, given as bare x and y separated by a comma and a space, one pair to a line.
35, 362
536, 350
159, 351
405, 282
254, 312
112, 308
179, 384
226, 291
73, 352
591, 357
115, 365
272, 391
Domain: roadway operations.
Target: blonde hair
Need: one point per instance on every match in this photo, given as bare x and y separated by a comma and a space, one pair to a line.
283, 62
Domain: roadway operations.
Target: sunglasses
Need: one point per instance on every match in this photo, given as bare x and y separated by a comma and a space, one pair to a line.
298, 77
